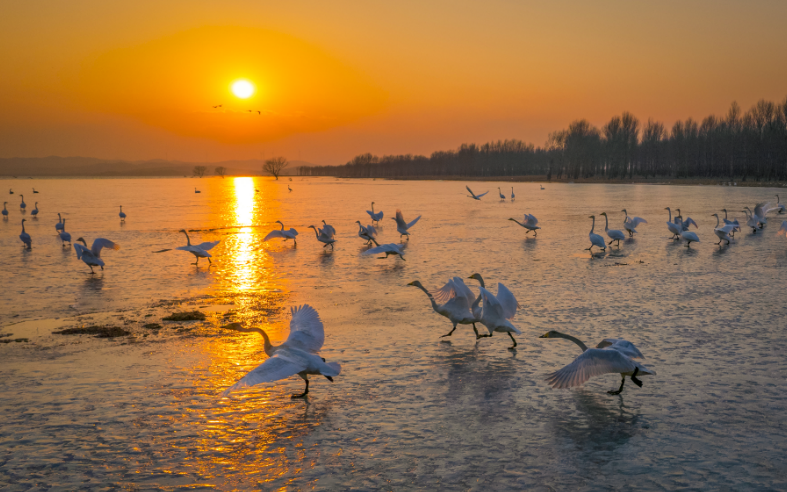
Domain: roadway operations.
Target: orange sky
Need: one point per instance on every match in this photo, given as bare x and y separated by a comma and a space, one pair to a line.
138, 80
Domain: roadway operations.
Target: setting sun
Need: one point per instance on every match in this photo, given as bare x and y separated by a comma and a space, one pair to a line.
243, 89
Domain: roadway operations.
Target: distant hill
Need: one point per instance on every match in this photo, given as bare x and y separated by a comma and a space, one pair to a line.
91, 166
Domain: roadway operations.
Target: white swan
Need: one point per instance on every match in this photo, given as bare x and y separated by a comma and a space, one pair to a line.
673, 227
783, 229
779, 208
751, 220
731, 222
529, 224
288, 187
760, 210
368, 233
691, 237
92, 257
122, 214
34, 212
376, 217
502, 196
59, 226
196, 190
498, 310
328, 230
298, 355
612, 355
512, 194
23, 205
723, 233
473, 195
5, 211
457, 303
630, 224
198, 250
595, 239
542, 187
25, 237
614, 234
64, 236
403, 227
323, 237
291, 234
388, 249
34, 190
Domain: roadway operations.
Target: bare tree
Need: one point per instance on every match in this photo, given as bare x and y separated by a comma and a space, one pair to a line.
275, 166
221, 171
199, 171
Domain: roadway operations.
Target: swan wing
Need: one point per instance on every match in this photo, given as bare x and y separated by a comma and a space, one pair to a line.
637, 221
759, 209
275, 234
306, 329
371, 214
492, 307
208, 245
400, 219
463, 290
80, 250
411, 224
101, 243
371, 231
623, 346
281, 365
507, 301
592, 362
383, 248
445, 293
689, 221
482, 194
471, 191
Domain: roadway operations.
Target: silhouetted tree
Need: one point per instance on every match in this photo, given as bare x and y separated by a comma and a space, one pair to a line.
199, 171
275, 165
221, 171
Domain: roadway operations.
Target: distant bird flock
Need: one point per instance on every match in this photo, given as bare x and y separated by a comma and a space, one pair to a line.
454, 301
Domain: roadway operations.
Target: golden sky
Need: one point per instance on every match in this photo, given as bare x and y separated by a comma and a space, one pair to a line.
138, 80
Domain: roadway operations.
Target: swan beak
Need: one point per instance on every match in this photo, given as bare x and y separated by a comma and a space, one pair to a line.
411, 283
545, 335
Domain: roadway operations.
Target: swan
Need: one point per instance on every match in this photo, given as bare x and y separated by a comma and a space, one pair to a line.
92, 256
64, 236
459, 304
502, 196
512, 194
612, 355
687, 235
595, 239
282, 233
5, 212
673, 227
34, 212
722, 232
388, 249
122, 214
375, 216
11, 191
196, 190
25, 237
751, 220
60, 224
298, 355
403, 227
731, 222
22, 205
198, 250
34, 190
529, 224
368, 233
473, 195
328, 230
323, 237
498, 310
288, 187
779, 206
631, 224
782, 229
760, 212
614, 234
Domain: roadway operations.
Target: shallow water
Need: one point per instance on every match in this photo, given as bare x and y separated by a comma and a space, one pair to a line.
410, 410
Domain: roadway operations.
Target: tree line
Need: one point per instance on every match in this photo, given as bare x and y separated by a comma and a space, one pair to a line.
750, 145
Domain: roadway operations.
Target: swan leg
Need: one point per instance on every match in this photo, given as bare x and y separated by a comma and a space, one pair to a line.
476, 331
91, 270
450, 332
728, 242
483, 336
535, 234
210, 261
513, 340
306, 391
634, 378
622, 382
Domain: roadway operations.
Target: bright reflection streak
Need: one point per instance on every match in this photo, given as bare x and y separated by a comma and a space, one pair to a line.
244, 216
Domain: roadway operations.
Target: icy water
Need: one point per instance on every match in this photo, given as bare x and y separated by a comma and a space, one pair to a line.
410, 410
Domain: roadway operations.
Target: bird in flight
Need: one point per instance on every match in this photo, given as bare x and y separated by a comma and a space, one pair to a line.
216, 107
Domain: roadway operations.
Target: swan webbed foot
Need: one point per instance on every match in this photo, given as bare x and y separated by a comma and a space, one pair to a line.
449, 333
622, 382
483, 336
305, 392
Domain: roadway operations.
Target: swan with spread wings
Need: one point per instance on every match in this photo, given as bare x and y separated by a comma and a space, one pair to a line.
497, 310
298, 355
612, 355
473, 195
92, 256
198, 250
402, 227
456, 302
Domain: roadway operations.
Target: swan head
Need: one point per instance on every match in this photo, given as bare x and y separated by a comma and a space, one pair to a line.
624, 211
312, 227
416, 283
358, 222
23, 220
323, 222
183, 231
513, 220
83, 241
551, 334
592, 217
476, 276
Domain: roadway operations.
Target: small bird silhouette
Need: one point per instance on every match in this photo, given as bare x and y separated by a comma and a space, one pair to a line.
259, 112
216, 107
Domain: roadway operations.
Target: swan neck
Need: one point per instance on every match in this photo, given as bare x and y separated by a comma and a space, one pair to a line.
188, 240
431, 299
268, 347
593, 227
573, 339
606, 223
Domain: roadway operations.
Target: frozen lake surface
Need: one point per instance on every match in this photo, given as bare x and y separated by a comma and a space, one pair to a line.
410, 410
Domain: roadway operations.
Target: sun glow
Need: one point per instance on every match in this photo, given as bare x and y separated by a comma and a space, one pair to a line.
243, 89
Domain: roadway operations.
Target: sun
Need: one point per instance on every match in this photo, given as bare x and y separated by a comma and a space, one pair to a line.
243, 89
